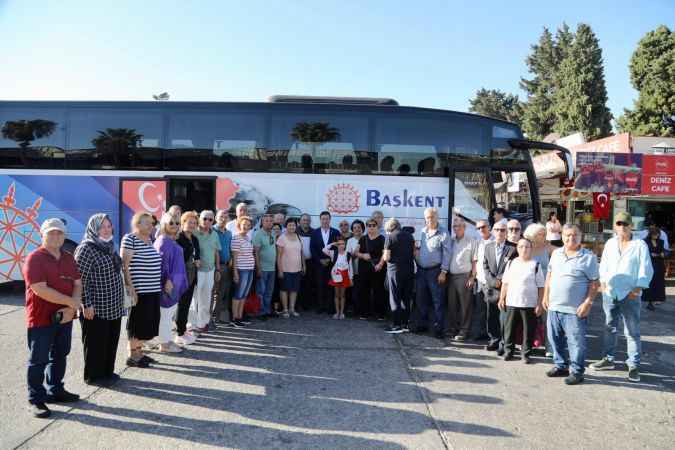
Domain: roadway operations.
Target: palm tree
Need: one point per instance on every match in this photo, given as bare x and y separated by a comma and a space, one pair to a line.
117, 142
23, 132
314, 134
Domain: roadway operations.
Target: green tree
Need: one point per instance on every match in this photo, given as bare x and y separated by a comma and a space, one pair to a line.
23, 132
118, 143
497, 104
538, 117
580, 100
314, 132
652, 73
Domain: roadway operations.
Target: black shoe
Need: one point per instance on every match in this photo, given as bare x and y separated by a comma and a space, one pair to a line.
650, 306
39, 410
245, 322
62, 397
112, 379
148, 359
131, 362
492, 347
440, 335
557, 372
527, 360
573, 379
240, 323
500, 350
509, 357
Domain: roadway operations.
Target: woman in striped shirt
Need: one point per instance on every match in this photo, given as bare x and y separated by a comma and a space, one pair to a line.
243, 270
142, 275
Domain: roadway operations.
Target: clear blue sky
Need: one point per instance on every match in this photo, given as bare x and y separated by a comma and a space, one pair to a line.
423, 53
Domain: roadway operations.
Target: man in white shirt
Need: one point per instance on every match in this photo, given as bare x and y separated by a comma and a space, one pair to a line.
480, 308
240, 211
462, 278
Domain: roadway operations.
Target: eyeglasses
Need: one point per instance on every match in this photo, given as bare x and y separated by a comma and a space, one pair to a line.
371, 225
622, 224
501, 230
174, 223
207, 219
514, 229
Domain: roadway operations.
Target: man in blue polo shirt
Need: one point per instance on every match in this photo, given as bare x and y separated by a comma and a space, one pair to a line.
571, 286
222, 288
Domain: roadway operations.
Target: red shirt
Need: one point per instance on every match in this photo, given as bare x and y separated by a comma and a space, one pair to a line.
60, 274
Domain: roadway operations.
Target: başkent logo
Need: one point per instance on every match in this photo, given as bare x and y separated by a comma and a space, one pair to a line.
343, 199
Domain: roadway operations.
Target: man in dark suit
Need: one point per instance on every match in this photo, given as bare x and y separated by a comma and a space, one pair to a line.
497, 254
320, 238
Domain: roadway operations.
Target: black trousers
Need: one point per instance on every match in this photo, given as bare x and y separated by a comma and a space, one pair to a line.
184, 309
529, 321
324, 292
494, 323
306, 297
99, 339
400, 295
372, 294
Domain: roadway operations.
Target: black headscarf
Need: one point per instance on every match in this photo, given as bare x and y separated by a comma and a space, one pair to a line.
91, 238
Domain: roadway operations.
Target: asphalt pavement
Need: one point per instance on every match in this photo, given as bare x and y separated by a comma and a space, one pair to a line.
314, 382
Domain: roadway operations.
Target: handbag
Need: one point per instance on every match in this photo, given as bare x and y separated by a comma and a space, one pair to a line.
252, 304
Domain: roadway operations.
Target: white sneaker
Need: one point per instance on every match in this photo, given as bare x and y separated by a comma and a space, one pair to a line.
186, 339
336, 316
342, 316
294, 314
169, 347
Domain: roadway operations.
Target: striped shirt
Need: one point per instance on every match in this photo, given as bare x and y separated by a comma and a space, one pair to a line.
244, 248
146, 265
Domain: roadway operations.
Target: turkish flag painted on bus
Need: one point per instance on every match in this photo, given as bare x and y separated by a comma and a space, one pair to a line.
658, 175
601, 205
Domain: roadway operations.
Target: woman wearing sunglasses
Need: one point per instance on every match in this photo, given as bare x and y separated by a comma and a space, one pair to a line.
174, 279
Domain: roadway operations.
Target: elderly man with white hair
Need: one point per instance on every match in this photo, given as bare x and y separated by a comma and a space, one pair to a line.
571, 286
241, 210
513, 229
433, 261
462, 278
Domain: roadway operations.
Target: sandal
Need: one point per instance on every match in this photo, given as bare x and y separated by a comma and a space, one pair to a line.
131, 362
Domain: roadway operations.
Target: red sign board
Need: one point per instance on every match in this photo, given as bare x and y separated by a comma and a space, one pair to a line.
658, 175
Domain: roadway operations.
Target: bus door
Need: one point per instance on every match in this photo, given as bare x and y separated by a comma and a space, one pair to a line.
192, 193
141, 195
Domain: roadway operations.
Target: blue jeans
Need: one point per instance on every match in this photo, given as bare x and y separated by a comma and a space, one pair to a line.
629, 310
265, 288
48, 346
567, 335
430, 291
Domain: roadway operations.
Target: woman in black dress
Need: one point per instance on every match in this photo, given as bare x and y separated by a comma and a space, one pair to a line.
656, 293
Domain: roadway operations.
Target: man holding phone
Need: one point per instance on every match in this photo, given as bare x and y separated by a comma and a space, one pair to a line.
53, 296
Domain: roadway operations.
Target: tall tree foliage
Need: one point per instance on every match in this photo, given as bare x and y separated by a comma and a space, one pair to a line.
497, 104
542, 63
652, 73
580, 100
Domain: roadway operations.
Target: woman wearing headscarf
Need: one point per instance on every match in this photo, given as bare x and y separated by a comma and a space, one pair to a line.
102, 300
174, 279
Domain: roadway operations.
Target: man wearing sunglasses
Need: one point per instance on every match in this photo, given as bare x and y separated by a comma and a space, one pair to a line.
265, 248
625, 270
514, 231
209, 269
496, 256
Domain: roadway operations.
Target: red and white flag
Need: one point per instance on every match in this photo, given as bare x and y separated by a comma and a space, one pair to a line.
601, 205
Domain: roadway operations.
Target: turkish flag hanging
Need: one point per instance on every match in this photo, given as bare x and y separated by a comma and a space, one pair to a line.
601, 205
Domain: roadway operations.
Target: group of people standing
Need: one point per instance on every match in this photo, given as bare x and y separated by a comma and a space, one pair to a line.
194, 271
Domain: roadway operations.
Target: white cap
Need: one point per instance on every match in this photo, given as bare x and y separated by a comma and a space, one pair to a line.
206, 213
52, 224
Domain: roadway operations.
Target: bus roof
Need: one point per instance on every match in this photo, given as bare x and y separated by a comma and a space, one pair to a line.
340, 103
